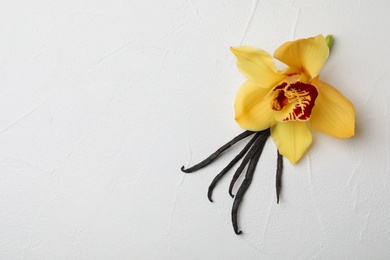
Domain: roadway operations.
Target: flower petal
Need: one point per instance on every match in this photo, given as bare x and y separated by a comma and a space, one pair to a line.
257, 65
252, 107
308, 54
333, 114
292, 139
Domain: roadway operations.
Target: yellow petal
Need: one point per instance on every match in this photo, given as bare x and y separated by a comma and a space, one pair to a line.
257, 65
252, 107
308, 54
333, 114
292, 139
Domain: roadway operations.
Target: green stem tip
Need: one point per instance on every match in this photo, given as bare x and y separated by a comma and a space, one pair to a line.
329, 40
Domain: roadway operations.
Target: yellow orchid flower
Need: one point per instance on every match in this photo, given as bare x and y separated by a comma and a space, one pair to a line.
290, 101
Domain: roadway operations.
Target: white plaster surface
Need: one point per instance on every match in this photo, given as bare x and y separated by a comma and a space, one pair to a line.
102, 102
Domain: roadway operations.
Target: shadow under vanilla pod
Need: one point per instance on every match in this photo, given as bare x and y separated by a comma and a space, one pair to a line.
284, 104
252, 152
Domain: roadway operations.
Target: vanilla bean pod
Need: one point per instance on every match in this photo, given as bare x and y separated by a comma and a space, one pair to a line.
217, 153
230, 165
247, 158
279, 170
251, 154
247, 181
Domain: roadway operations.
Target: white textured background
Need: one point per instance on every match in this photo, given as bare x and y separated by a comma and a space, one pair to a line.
102, 102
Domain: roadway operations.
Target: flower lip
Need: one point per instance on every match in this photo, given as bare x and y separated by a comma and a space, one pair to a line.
295, 101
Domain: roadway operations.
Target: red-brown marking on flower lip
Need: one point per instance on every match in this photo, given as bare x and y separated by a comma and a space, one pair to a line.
281, 100
281, 86
298, 93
